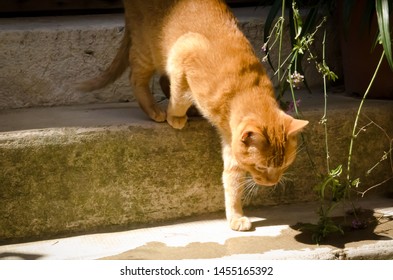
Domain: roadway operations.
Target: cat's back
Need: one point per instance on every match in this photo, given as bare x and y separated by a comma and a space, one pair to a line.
210, 18
198, 15
162, 22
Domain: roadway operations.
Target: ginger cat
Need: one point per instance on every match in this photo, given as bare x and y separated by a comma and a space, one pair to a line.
197, 45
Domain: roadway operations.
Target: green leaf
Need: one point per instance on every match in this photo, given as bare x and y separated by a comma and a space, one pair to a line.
297, 20
382, 8
337, 171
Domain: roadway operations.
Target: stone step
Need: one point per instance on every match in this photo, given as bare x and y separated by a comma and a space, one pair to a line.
277, 235
99, 167
42, 58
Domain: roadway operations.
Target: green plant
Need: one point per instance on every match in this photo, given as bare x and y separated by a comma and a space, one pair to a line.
339, 188
334, 188
302, 32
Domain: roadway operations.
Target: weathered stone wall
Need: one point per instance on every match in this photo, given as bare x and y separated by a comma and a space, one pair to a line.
42, 58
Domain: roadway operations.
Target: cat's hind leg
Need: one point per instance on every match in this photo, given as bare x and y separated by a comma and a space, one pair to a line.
183, 60
165, 87
177, 107
140, 78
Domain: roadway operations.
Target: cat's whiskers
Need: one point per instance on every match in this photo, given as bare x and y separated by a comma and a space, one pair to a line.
248, 187
284, 180
300, 147
250, 190
244, 182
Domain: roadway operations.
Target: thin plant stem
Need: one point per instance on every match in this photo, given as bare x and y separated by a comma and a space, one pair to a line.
293, 93
291, 55
324, 117
280, 41
353, 136
376, 185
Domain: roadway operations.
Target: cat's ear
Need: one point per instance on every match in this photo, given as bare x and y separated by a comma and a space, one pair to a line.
247, 137
295, 126
252, 137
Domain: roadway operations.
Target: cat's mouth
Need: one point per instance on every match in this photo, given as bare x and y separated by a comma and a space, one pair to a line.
263, 182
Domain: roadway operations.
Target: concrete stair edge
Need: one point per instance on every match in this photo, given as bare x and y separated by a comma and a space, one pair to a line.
136, 172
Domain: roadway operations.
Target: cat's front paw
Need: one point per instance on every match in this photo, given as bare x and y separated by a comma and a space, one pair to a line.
176, 122
240, 224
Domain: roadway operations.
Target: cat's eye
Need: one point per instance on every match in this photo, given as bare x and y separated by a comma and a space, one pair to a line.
260, 168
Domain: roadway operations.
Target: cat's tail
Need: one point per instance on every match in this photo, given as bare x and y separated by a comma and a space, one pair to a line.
119, 64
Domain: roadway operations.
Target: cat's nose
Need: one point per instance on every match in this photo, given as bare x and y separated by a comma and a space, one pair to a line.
264, 182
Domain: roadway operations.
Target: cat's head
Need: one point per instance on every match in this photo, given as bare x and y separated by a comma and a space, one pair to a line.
266, 150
